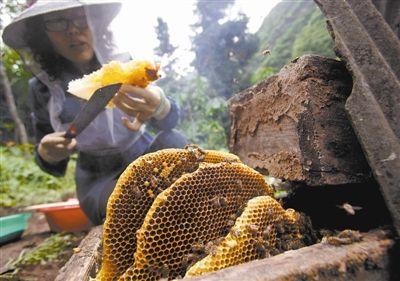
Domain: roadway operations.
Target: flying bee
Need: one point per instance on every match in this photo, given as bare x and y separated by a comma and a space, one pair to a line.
351, 210
266, 52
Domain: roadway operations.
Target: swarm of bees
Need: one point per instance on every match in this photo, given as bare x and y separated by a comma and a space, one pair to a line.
176, 212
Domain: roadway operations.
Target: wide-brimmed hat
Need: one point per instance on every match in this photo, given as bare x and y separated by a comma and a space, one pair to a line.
13, 34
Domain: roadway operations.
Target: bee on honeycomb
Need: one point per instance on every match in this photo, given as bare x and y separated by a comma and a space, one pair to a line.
135, 191
186, 218
253, 236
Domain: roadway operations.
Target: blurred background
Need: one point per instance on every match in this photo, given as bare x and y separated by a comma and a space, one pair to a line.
208, 50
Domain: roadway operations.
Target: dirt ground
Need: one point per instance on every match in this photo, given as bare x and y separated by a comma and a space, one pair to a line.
37, 231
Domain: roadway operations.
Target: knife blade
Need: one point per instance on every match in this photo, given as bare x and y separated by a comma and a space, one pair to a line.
92, 108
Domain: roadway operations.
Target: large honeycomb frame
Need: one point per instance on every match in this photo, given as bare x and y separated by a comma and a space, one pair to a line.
254, 235
133, 196
196, 209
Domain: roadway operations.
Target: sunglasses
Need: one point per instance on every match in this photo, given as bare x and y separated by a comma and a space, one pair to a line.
62, 24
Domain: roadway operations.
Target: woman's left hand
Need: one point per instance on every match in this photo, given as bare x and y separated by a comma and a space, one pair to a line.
137, 102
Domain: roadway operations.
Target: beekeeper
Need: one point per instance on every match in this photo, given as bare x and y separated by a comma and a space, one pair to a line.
60, 41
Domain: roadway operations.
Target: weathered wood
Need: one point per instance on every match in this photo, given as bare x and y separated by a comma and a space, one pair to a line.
368, 260
294, 126
372, 51
82, 264
390, 9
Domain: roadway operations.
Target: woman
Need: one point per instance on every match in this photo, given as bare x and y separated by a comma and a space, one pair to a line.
61, 41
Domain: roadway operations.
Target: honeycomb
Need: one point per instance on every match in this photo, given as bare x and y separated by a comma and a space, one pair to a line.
262, 229
195, 210
135, 72
133, 195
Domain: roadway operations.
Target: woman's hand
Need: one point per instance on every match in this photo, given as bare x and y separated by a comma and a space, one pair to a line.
140, 103
55, 147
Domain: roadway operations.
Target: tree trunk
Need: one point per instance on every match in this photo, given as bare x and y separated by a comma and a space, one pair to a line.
6, 89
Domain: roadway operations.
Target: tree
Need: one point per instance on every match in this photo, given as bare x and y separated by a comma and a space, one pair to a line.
6, 89
14, 78
165, 47
165, 50
222, 49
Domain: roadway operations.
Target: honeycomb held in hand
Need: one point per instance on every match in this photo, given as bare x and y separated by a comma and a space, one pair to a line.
193, 211
136, 72
133, 195
254, 235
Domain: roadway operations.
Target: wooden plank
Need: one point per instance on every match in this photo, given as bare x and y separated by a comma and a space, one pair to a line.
294, 125
367, 260
372, 51
82, 264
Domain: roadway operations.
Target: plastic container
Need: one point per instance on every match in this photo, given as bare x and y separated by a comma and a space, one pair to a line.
65, 216
12, 227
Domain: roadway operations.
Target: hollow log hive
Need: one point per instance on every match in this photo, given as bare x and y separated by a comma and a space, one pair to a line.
174, 208
293, 125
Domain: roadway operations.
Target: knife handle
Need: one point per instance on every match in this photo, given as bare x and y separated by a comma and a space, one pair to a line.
71, 132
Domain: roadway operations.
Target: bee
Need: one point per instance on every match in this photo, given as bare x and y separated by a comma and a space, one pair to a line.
354, 235
235, 233
150, 193
198, 247
223, 202
218, 241
189, 260
233, 217
231, 243
266, 52
231, 223
252, 228
164, 271
239, 184
136, 192
196, 151
210, 248
268, 231
153, 182
336, 241
218, 201
351, 210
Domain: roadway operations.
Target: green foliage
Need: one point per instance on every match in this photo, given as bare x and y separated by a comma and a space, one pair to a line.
202, 118
261, 74
18, 78
290, 30
23, 183
49, 250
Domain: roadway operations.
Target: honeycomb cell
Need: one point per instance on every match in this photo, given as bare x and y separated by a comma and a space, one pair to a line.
255, 235
202, 210
133, 195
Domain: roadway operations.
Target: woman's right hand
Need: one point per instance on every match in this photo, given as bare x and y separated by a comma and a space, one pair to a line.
55, 147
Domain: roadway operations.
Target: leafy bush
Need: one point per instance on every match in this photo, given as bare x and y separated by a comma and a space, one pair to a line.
49, 250
23, 183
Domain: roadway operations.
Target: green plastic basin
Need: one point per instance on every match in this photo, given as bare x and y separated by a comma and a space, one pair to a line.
12, 227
